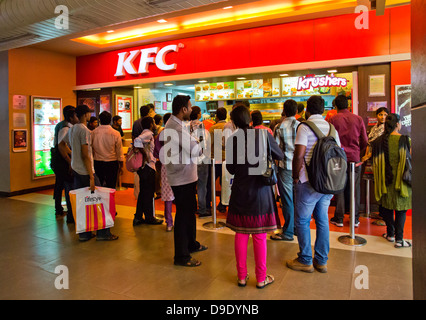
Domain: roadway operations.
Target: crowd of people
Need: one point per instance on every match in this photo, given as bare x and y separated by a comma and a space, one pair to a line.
92, 155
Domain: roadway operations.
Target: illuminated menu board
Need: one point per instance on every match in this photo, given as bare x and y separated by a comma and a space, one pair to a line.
45, 115
214, 91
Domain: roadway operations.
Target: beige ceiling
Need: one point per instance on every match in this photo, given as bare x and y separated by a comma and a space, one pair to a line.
32, 22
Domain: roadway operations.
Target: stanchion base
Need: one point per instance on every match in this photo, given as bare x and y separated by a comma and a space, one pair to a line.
212, 226
159, 216
121, 188
348, 240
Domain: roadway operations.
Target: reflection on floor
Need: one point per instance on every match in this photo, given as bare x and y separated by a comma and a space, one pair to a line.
140, 264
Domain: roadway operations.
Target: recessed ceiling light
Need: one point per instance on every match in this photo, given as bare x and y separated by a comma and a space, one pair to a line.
168, 84
202, 81
241, 78
161, 21
331, 71
226, 8
138, 87
284, 75
110, 31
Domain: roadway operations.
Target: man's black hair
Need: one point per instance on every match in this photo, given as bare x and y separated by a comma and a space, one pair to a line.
105, 118
179, 102
315, 105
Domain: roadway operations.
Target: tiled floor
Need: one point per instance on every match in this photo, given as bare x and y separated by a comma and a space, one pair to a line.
140, 264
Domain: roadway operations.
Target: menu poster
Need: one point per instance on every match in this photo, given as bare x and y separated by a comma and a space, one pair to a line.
403, 107
20, 140
271, 87
46, 112
124, 105
249, 89
214, 91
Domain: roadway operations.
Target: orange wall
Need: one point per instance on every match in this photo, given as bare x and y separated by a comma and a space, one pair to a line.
36, 72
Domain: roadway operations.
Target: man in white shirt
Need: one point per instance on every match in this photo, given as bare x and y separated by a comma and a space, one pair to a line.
308, 201
107, 151
180, 155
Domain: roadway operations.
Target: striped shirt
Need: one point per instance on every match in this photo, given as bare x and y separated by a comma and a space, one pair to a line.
285, 135
306, 137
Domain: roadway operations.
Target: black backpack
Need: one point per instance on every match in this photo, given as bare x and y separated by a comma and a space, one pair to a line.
327, 169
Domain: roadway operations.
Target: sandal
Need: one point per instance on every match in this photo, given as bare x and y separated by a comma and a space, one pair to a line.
243, 283
110, 237
402, 244
280, 237
390, 239
200, 248
190, 263
268, 280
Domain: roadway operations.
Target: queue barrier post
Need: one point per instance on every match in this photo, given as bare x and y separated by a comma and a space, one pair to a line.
214, 224
352, 239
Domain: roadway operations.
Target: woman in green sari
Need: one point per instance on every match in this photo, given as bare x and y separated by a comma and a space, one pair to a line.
389, 153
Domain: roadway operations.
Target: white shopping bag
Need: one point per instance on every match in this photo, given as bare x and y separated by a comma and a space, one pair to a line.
227, 180
93, 211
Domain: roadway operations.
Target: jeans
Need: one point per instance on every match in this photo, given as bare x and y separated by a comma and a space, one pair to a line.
343, 199
285, 187
81, 181
185, 222
203, 176
309, 202
144, 204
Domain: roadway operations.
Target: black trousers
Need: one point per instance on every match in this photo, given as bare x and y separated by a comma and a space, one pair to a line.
107, 172
144, 205
185, 221
394, 227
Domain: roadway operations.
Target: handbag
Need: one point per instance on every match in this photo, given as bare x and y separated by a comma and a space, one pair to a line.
134, 159
406, 176
269, 177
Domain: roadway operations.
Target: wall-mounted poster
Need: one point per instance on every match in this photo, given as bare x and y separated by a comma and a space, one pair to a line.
124, 107
46, 113
376, 86
90, 102
374, 105
20, 140
105, 103
403, 107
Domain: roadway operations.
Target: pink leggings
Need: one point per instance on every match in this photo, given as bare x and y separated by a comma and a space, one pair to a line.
259, 245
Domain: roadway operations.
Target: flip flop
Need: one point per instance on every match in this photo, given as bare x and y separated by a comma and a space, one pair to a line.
200, 248
280, 237
190, 263
390, 239
243, 283
402, 244
268, 280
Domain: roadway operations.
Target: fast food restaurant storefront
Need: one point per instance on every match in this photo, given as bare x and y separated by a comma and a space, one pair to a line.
326, 56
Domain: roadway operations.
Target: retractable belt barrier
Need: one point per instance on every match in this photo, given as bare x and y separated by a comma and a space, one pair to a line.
214, 224
352, 239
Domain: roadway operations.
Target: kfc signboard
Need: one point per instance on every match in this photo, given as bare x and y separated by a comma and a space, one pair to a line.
155, 55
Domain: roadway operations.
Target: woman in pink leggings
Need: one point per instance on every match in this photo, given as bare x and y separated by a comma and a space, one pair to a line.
252, 206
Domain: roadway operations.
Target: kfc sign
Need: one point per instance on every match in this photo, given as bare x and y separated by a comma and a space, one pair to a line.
305, 83
148, 55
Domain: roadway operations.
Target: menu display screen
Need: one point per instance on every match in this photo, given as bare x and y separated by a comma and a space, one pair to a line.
46, 114
214, 91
